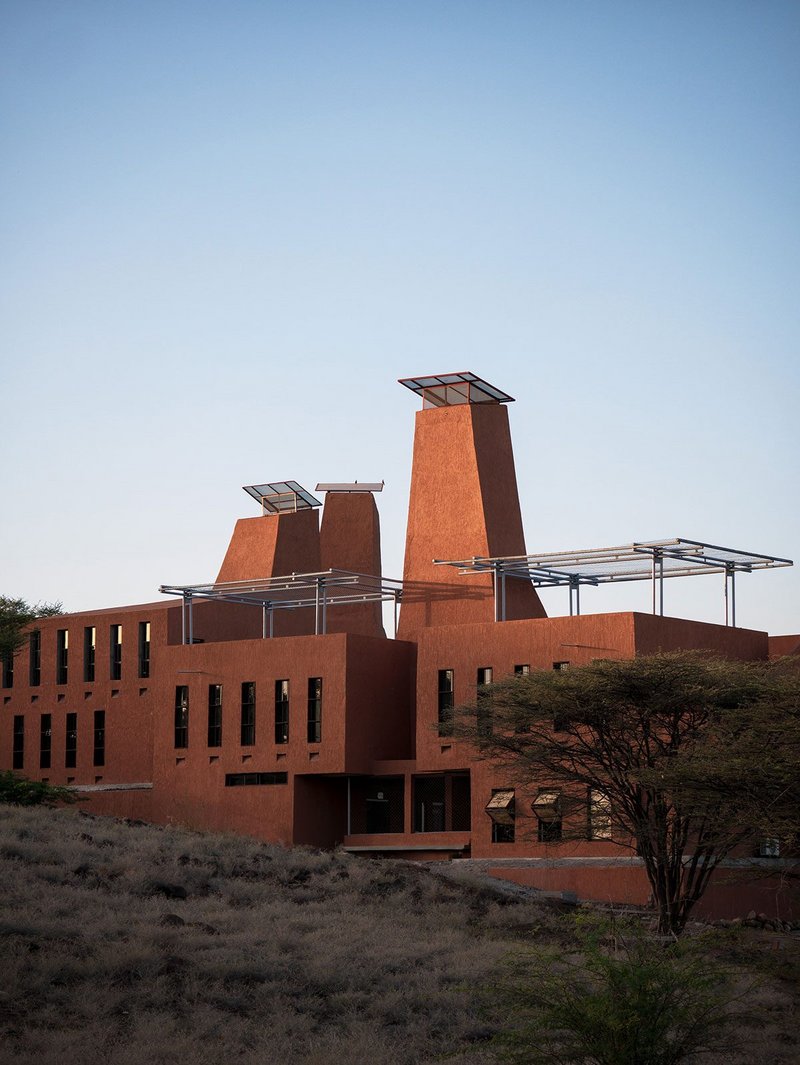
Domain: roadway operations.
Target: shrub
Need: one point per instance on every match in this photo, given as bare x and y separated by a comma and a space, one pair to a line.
19, 791
627, 999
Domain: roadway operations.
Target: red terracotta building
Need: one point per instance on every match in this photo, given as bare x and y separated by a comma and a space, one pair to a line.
270, 701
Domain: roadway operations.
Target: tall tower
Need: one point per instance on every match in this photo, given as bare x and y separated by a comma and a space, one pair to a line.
283, 540
350, 539
463, 504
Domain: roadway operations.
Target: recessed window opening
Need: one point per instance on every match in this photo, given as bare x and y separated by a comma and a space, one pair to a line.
501, 810
547, 807
8, 669
522, 670
62, 655
35, 660
89, 646
115, 651
315, 709
99, 756
599, 811
45, 740
281, 711
445, 702
144, 649
71, 746
18, 753
215, 715
248, 722
181, 716
238, 780
484, 701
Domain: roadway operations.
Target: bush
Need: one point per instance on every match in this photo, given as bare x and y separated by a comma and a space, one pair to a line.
19, 791
627, 999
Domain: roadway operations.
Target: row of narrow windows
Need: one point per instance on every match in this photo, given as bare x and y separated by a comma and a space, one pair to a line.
247, 713
63, 664
483, 679
70, 741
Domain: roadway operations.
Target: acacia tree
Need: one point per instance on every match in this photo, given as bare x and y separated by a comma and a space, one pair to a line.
15, 616
685, 757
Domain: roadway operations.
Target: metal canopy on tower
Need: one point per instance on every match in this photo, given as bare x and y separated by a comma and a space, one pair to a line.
653, 560
453, 389
282, 497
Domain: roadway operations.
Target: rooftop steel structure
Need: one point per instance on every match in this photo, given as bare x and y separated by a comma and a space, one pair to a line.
328, 588
282, 496
653, 560
451, 389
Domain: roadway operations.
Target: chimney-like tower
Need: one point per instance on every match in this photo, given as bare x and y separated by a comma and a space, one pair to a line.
350, 539
283, 540
463, 504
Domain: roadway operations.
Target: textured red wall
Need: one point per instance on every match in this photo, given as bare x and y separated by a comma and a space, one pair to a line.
463, 502
350, 539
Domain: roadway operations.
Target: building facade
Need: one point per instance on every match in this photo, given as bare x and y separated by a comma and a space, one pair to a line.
271, 701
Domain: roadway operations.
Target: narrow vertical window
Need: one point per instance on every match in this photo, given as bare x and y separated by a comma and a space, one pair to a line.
445, 702
215, 715
62, 655
248, 714
8, 669
599, 810
99, 737
19, 742
182, 715
484, 701
89, 645
315, 709
45, 740
115, 650
144, 649
71, 751
281, 711
35, 658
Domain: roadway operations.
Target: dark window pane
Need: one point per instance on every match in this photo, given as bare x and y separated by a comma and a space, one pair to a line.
248, 729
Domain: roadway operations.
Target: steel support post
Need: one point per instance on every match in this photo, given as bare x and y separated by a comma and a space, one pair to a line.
183, 619
191, 620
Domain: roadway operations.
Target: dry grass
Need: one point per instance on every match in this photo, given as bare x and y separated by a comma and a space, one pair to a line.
273, 955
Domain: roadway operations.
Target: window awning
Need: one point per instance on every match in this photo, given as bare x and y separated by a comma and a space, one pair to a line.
501, 807
547, 805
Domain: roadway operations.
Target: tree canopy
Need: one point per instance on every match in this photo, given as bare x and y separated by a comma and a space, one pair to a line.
15, 616
682, 757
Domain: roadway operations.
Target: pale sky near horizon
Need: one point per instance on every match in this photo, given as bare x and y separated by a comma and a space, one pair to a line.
228, 228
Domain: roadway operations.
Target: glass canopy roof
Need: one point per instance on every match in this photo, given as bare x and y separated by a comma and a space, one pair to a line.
282, 496
630, 562
452, 389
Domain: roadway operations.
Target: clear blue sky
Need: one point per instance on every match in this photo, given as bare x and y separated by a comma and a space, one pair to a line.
227, 228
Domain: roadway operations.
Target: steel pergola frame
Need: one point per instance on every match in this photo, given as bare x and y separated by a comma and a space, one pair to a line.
652, 560
322, 591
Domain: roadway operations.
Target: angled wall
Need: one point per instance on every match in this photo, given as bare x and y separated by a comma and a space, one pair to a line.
463, 503
275, 545
350, 538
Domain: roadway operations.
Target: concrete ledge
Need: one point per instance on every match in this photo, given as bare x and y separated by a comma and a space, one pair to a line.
110, 787
405, 849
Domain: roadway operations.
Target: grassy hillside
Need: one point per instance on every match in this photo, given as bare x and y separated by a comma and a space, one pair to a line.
129, 944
